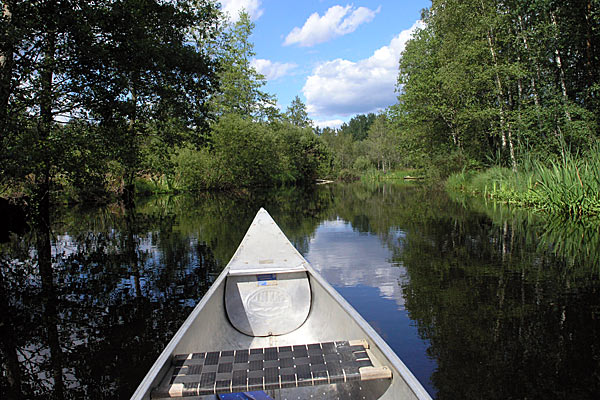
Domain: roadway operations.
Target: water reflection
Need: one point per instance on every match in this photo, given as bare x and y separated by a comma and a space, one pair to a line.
479, 301
346, 258
88, 305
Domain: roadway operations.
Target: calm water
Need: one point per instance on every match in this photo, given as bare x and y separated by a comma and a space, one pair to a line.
478, 301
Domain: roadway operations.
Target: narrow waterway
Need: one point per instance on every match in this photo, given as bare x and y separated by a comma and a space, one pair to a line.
479, 302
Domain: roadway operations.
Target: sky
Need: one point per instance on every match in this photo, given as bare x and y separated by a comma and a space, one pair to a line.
340, 58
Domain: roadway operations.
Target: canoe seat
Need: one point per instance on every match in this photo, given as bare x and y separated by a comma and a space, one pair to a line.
233, 371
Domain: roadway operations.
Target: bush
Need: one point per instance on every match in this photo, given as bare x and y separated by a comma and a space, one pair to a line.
304, 156
197, 170
441, 166
348, 175
246, 151
362, 163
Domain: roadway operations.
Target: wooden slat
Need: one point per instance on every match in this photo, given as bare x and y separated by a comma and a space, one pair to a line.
371, 373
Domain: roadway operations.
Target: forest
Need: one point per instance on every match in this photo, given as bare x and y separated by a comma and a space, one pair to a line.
111, 98
103, 99
500, 97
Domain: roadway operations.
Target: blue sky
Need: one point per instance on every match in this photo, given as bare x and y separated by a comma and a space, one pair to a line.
340, 57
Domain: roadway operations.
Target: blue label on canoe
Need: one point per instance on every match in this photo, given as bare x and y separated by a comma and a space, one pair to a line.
263, 279
245, 396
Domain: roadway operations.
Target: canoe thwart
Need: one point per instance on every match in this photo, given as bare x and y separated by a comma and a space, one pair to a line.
199, 374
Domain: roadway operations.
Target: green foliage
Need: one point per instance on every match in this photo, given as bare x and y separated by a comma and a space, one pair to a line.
240, 84
297, 115
197, 170
348, 175
362, 163
358, 126
245, 151
101, 76
341, 146
499, 78
305, 157
569, 188
382, 144
253, 154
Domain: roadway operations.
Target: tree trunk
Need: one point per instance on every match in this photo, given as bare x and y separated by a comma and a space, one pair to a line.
536, 99
561, 71
50, 319
132, 247
6, 65
8, 345
520, 98
129, 189
589, 48
42, 190
505, 125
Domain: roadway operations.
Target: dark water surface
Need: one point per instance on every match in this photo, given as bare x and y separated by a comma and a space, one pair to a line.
479, 302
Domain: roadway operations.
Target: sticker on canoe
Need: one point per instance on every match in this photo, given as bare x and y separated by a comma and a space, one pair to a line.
266, 280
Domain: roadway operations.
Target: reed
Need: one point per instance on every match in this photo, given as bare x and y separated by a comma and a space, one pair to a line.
569, 186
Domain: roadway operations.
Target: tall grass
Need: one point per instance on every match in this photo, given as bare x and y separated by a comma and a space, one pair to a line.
569, 186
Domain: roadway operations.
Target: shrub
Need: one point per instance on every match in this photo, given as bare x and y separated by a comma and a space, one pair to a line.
362, 163
348, 175
197, 170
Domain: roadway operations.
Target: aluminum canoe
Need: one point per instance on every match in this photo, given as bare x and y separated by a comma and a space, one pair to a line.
269, 300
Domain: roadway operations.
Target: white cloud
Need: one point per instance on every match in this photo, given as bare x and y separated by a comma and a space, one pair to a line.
233, 8
330, 123
337, 21
343, 87
272, 70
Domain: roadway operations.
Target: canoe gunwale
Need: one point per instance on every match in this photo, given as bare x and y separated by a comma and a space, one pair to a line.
377, 341
162, 364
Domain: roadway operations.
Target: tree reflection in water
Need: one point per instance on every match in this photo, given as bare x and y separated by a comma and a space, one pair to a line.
88, 319
508, 305
88, 305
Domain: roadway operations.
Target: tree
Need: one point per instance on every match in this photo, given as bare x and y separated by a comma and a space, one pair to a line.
158, 74
358, 126
341, 146
246, 151
297, 115
487, 77
305, 156
240, 84
382, 144
105, 67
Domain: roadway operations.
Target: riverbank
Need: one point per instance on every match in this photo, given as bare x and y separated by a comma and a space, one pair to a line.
376, 175
569, 187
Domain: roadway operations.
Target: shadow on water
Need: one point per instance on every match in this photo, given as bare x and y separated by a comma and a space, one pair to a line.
507, 303
87, 306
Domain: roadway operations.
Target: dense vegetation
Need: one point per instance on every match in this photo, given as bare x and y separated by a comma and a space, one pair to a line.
108, 98
98, 101
503, 80
512, 85
491, 83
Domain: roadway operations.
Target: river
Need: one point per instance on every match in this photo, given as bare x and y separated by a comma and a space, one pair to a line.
479, 301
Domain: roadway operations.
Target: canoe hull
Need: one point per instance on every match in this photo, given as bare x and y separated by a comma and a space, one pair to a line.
331, 318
